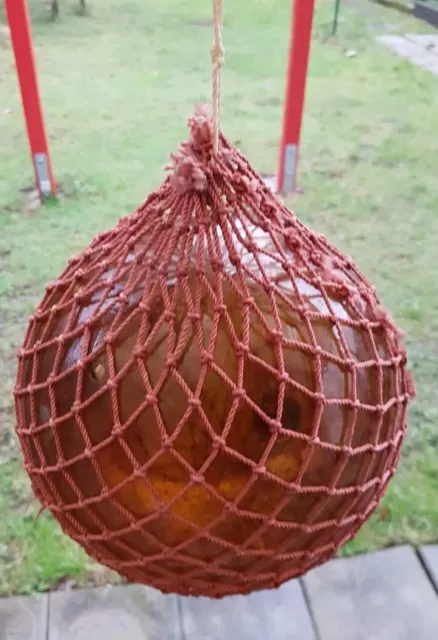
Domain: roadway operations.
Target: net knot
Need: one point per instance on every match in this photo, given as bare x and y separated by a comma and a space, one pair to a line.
218, 55
191, 165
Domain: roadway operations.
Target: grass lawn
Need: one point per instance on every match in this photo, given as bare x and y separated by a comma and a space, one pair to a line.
118, 87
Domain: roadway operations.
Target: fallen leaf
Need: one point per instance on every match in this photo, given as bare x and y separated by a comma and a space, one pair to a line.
383, 514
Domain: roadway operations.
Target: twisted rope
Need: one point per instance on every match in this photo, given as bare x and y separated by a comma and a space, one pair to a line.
218, 59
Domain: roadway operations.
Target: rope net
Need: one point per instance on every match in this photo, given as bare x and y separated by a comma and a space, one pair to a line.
211, 399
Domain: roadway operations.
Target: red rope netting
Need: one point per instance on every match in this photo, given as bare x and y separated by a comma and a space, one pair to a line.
210, 399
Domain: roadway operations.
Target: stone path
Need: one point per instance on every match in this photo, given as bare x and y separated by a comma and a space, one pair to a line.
421, 50
387, 595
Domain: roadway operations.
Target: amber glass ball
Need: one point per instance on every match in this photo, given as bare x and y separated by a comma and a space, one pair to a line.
211, 404
182, 428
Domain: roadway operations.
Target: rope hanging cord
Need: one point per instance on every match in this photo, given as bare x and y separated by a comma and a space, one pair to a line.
218, 59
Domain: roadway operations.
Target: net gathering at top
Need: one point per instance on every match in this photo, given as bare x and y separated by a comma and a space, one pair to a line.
211, 399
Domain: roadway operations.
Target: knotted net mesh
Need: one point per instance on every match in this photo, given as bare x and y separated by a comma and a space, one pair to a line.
211, 399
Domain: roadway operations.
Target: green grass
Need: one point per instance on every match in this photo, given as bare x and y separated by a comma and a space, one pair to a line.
118, 86
34, 554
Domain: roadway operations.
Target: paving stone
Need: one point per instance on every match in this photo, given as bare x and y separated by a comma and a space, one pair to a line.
427, 40
432, 66
279, 614
113, 613
403, 47
415, 53
380, 596
429, 555
23, 618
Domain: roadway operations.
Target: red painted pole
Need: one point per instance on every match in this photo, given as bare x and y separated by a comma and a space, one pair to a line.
19, 24
302, 22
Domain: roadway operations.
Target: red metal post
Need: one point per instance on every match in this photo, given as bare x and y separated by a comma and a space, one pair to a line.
302, 22
19, 24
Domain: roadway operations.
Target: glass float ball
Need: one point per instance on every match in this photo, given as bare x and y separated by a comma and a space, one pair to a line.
209, 414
